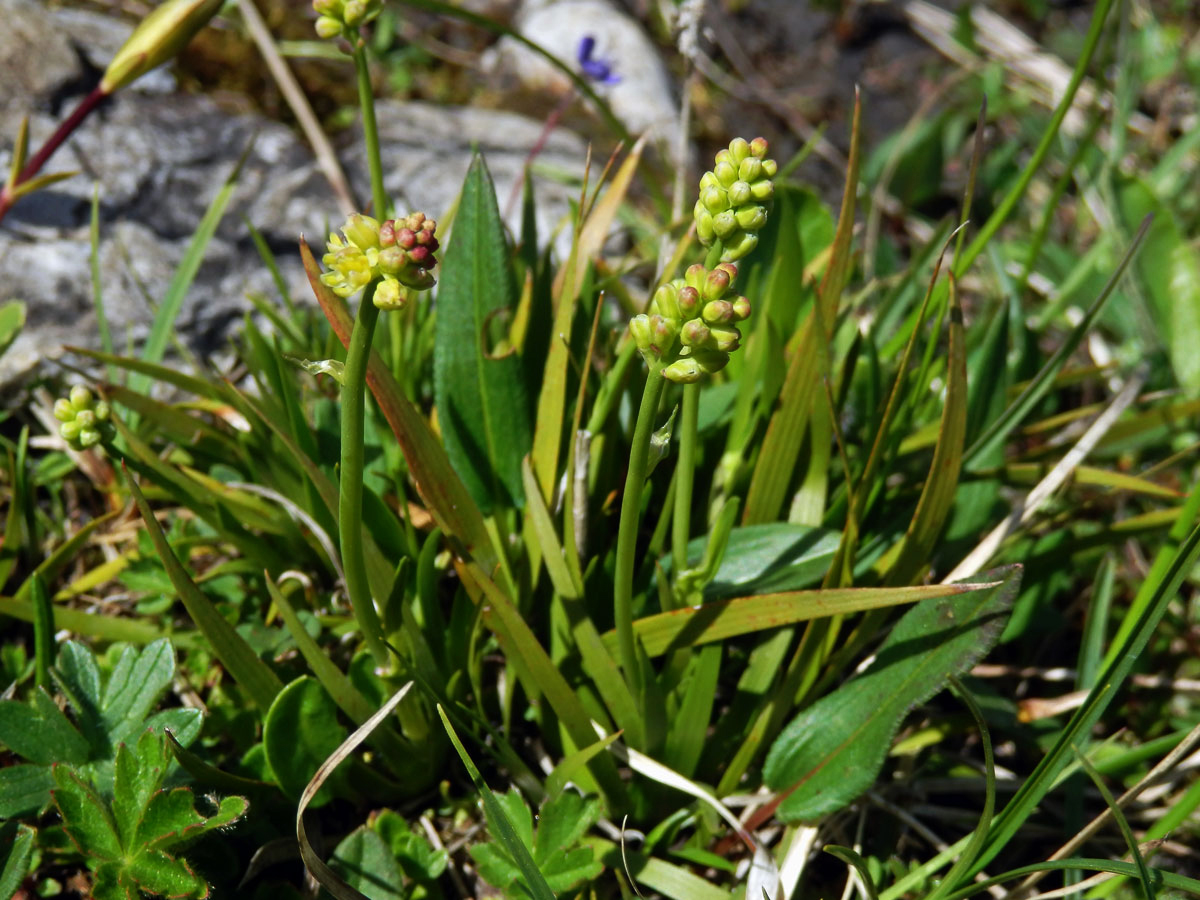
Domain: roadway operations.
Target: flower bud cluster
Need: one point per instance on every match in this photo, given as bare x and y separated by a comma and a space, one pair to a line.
342, 18
691, 325
398, 253
734, 198
85, 420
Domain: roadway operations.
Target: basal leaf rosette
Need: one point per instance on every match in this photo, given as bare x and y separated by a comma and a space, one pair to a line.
691, 326
396, 254
735, 197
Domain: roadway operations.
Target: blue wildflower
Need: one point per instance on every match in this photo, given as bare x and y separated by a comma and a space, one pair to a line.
594, 68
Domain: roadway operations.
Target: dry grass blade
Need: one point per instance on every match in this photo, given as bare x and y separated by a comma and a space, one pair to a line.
327, 160
1024, 511
316, 866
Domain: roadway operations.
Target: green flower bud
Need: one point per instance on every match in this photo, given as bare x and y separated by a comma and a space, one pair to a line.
741, 309
711, 361
738, 246
666, 302
161, 35
726, 174
683, 371
762, 190
354, 12
695, 275
329, 8
80, 397
328, 27
726, 338
704, 225
739, 149
717, 283
662, 333
83, 418
689, 301
770, 167
639, 327
751, 218
715, 200
694, 333
739, 193
725, 224
750, 169
717, 312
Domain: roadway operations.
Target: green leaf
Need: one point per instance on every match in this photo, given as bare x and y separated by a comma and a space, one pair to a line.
722, 619
136, 684
154, 872
1168, 269
39, 732
834, 749
367, 864
764, 559
300, 732
85, 816
18, 841
24, 788
137, 775
78, 677
481, 400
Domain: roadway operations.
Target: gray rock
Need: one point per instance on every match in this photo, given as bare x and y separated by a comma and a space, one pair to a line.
161, 159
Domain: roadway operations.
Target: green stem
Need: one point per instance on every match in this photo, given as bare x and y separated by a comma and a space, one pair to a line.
350, 477
631, 501
685, 478
366, 99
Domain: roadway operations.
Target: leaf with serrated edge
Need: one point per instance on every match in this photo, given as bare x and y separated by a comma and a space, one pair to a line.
135, 686
833, 750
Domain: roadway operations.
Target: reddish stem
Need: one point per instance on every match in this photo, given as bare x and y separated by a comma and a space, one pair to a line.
39, 159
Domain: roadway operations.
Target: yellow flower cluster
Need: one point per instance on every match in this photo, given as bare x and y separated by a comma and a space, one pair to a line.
398, 253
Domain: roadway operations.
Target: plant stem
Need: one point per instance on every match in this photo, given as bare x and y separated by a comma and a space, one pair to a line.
627, 531
39, 159
350, 476
366, 99
350, 473
685, 472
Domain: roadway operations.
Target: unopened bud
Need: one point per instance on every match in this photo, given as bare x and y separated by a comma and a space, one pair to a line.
741, 309
689, 301
725, 224
751, 218
750, 169
739, 245
758, 148
694, 333
717, 312
80, 397
726, 338
666, 302
327, 27
739, 149
726, 173
739, 192
716, 284
161, 35
762, 190
683, 371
